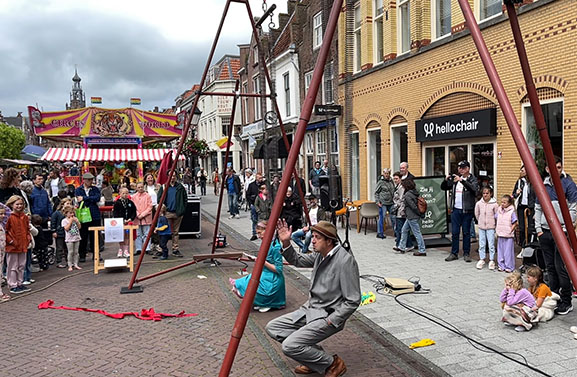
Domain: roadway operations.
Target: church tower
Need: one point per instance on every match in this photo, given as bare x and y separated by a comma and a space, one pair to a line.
77, 99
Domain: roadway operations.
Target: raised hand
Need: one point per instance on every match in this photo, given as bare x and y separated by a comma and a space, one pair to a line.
283, 231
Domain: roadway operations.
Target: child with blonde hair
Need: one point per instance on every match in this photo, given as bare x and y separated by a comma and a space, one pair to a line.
545, 300
485, 211
71, 226
506, 225
518, 303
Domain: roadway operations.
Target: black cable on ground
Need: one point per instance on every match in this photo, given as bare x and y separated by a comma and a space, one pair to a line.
379, 285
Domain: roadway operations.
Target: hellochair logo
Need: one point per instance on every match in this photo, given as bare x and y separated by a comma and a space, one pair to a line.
429, 128
466, 125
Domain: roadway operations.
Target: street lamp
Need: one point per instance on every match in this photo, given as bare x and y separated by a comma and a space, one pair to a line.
195, 116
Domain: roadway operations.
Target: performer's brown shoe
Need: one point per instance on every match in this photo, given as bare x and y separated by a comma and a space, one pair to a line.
303, 369
337, 368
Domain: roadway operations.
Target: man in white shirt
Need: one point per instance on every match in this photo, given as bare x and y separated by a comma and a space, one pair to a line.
54, 183
464, 188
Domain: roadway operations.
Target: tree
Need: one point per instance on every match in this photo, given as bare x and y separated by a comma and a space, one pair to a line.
12, 140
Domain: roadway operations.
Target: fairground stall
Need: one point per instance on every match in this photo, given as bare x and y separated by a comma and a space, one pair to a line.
111, 141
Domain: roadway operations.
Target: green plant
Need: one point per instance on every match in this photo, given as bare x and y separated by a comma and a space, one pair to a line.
195, 147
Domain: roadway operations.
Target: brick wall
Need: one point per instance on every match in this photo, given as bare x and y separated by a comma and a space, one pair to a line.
409, 86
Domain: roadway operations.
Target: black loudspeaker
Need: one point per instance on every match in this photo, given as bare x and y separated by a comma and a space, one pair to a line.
331, 190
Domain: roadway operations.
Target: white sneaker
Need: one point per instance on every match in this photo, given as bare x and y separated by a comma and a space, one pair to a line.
491, 265
231, 217
125, 254
573, 329
237, 216
263, 310
480, 264
119, 254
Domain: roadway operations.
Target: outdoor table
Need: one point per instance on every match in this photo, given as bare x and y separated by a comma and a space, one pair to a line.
100, 266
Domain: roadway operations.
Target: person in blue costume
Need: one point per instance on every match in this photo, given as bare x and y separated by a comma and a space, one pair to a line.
271, 288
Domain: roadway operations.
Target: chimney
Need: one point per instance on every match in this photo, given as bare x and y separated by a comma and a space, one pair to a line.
155, 109
19, 114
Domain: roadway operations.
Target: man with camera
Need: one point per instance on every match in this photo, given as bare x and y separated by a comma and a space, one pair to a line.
464, 188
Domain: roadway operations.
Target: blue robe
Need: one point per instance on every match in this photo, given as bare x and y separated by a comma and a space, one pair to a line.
271, 288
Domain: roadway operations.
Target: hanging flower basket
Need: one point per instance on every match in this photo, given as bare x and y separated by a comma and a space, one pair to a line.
195, 148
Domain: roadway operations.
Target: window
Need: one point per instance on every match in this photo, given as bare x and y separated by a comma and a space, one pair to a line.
287, 94
328, 84
357, 38
256, 85
321, 144
355, 167
317, 30
334, 145
310, 143
308, 79
489, 8
553, 113
225, 122
255, 55
404, 26
378, 32
441, 18
245, 102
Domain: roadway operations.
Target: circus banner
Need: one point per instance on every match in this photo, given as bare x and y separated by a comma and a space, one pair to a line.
97, 122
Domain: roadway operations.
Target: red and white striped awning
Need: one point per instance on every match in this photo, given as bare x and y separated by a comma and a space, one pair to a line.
87, 154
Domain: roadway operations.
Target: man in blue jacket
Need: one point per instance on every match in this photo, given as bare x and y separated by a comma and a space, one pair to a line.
40, 202
88, 196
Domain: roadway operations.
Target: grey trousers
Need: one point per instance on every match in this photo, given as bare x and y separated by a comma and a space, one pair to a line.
299, 340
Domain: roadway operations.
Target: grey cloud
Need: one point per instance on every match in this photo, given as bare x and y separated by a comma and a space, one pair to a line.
117, 58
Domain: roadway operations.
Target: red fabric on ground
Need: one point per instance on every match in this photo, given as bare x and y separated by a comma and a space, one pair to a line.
145, 314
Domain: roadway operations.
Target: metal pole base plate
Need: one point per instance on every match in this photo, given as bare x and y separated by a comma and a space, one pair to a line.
135, 289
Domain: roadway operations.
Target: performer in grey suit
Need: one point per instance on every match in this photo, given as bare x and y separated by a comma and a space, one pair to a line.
334, 296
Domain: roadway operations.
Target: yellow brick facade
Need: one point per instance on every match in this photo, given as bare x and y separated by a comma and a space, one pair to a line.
408, 87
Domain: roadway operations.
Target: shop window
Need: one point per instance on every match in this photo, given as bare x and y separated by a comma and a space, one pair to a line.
553, 113
355, 167
357, 32
287, 94
399, 143
483, 163
378, 31
328, 84
374, 159
441, 18
321, 136
489, 8
404, 26
457, 153
317, 30
310, 143
435, 161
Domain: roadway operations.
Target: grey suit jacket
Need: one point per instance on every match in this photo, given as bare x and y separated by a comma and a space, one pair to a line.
335, 289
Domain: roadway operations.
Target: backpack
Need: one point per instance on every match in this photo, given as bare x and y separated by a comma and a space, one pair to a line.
422, 205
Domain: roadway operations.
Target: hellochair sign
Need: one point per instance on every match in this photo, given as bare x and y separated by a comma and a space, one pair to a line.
458, 126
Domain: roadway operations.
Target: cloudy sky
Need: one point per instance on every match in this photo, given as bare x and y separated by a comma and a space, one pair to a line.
149, 49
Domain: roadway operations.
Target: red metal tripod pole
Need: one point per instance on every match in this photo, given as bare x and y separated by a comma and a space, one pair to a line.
226, 154
520, 142
180, 145
247, 302
540, 122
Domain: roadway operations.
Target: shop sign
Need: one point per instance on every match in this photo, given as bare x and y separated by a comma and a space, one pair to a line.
111, 140
459, 126
328, 110
435, 219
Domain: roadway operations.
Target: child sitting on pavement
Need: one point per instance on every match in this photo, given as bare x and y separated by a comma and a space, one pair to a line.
164, 233
546, 301
519, 306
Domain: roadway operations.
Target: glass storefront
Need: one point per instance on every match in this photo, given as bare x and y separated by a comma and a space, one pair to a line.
355, 167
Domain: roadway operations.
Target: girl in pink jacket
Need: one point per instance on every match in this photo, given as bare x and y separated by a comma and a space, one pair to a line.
143, 203
506, 225
485, 211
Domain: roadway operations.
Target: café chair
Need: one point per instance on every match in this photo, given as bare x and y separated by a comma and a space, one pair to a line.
369, 211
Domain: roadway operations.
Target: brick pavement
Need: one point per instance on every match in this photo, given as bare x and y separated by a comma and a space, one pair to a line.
65, 343
460, 294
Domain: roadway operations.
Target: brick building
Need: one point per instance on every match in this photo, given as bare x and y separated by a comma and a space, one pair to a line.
415, 89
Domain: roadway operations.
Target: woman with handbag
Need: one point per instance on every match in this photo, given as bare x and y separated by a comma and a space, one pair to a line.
88, 213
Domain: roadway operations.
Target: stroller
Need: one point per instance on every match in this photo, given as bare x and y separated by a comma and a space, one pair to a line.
531, 250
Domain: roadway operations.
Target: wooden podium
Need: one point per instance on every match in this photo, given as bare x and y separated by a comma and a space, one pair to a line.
101, 266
